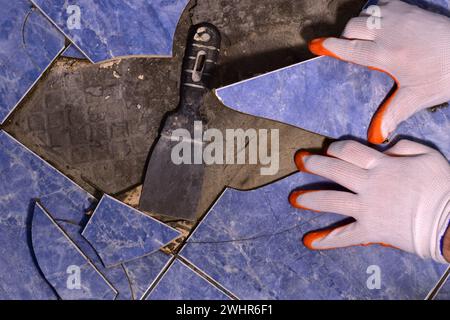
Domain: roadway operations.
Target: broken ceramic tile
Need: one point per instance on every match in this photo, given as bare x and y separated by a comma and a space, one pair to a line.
115, 28
143, 272
130, 279
120, 233
444, 291
26, 177
332, 98
180, 282
73, 52
72, 275
28, 44
116, 275
250, 243
97, 122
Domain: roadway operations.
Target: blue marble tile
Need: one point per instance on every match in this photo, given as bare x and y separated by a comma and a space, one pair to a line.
65, 267
130, 279
250, 242
105, 29
25, 177
444, 291
437, 6
120, 233
334, 98
116, 275
143, 272
73, 52
28, 44
182, 283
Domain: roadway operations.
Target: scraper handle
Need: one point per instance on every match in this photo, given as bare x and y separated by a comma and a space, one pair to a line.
200, 60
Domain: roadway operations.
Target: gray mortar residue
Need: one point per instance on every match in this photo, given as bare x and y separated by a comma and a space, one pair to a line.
96, 123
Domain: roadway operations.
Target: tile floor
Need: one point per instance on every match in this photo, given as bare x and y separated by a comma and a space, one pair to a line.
120, 233
72, 275
28, 44
249, 242
137, 27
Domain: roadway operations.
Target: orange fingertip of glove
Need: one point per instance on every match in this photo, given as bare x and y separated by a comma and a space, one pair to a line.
375, 134
313, 236
299, 160
316, 46
294, 196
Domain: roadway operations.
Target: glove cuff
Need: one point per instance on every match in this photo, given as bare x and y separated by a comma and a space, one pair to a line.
432, 221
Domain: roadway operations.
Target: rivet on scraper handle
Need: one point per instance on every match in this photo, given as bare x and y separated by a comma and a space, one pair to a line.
172, 189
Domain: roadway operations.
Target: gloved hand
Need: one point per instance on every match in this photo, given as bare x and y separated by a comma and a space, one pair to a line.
399, 198
412, 45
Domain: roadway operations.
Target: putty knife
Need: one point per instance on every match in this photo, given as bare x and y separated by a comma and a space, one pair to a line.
172, 188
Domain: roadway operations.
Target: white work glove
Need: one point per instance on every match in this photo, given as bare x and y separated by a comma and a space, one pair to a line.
411, 45
401, 198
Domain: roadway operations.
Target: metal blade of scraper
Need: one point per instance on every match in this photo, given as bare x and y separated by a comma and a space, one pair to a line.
172, 188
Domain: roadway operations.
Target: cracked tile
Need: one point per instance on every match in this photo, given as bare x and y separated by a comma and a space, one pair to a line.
115, 28
66, 268
180, 282
130, 279
73, 52
28, 44
26, 177
250, 243
116, 275
144, 271
332, 98
444, 291
120, 233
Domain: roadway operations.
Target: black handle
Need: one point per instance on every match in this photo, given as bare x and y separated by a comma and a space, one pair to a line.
200, 59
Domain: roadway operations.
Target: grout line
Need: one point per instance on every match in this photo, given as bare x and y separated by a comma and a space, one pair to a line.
5, 118
106, 196
266, 74
207, 277
143, 214
129, 282
195, 228
45, 163
170, 55
60, 30
158, 278
68, 47
88, 260
434, 292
